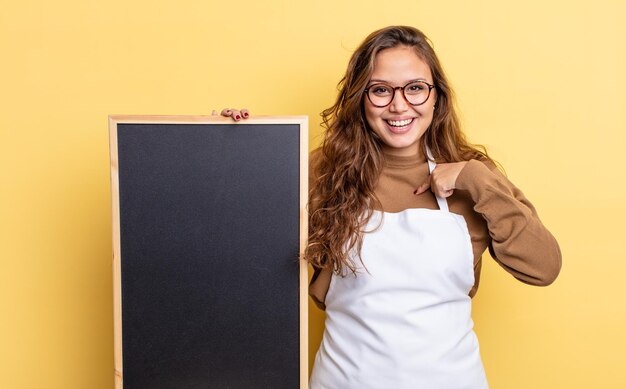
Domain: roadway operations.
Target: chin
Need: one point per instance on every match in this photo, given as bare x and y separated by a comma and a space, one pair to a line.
396, 144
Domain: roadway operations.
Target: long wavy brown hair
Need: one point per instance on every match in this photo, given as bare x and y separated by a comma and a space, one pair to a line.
351, 158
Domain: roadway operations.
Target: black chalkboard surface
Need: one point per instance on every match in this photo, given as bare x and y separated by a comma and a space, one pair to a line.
209, 223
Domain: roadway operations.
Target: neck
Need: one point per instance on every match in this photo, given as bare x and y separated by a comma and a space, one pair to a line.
403, 158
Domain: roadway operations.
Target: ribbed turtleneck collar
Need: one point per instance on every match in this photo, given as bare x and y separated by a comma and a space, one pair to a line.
393, 160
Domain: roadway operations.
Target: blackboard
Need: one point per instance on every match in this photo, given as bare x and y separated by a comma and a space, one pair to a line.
209, 225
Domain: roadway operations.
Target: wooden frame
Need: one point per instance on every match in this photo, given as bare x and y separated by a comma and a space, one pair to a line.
302, 121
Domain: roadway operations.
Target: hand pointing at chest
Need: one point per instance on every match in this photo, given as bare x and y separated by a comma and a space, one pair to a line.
442, 180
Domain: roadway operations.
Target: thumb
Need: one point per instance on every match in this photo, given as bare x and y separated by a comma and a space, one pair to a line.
422, 188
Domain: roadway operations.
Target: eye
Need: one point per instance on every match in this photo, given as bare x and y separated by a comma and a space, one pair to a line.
416, 87
380, 90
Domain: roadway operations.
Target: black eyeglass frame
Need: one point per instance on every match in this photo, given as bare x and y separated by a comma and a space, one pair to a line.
395, 88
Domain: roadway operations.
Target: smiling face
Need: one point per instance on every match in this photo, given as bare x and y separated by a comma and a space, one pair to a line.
400, 125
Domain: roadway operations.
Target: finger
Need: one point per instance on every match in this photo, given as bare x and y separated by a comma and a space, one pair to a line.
245, 113
448, 193
214, 113
227, 112
442, 191
236, 115
422, 188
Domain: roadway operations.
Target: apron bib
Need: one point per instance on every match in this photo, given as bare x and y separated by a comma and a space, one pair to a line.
404, 320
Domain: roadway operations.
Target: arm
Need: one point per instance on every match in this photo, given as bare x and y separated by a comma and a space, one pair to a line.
519, 241
318, 287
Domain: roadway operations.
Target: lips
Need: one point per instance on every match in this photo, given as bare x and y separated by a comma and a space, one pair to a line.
399, 126
399, 123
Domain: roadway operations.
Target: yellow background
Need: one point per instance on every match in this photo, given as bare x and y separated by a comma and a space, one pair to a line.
541, 83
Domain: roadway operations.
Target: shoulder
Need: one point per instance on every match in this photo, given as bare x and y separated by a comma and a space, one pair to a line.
489, 163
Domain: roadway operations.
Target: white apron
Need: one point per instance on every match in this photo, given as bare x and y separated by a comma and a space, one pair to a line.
405, 320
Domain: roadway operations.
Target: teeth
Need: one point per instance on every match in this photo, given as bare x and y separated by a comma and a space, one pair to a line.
399, 123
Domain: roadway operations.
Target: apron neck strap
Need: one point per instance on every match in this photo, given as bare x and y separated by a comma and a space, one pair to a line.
441, 201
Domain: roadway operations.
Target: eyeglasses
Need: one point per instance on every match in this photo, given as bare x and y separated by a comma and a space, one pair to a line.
415, 93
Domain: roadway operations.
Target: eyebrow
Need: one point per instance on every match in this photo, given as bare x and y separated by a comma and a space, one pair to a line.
387, 82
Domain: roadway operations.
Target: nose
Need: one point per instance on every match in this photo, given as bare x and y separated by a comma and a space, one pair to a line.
399, 103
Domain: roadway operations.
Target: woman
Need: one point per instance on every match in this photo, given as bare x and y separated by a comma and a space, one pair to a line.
396, 264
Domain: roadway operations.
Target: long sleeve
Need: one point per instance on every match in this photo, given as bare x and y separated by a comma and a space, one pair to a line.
519, 242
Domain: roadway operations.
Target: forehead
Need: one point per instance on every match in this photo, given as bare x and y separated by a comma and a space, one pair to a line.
399, 65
